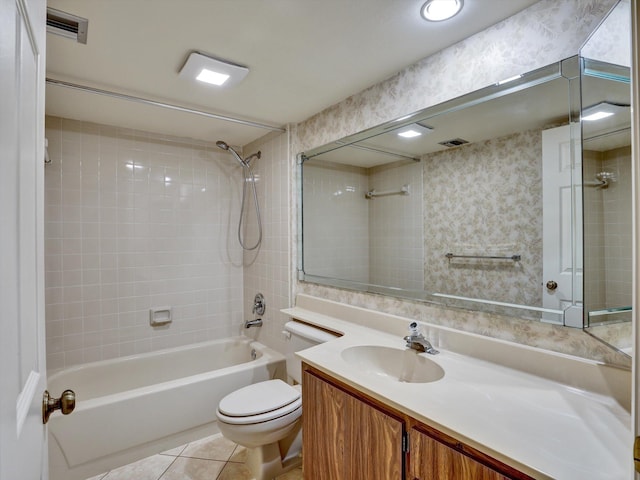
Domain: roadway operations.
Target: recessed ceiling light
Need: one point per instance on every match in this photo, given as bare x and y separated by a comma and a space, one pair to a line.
603, 110
438, 10
409, 134
414, 130
214, 78
213, 71
597, 116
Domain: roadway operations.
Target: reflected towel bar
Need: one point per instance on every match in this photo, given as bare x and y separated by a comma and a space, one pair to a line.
515, 258
372, 193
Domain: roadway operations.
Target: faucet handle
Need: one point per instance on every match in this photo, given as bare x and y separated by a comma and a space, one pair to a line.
414, 329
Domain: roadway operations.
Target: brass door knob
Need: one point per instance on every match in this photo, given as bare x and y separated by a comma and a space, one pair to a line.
66, 403
552, 285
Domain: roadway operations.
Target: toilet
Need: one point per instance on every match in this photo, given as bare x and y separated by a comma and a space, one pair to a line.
265, 417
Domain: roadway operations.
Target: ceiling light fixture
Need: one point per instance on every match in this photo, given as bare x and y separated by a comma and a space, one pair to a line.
603, 110
212, 70
414, 130
439, 10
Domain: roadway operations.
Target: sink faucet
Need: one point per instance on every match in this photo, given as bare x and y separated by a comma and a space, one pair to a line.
253, 323
417, 341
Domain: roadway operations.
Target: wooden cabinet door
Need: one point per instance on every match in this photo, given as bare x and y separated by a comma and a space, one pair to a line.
432, 460
345, 438
375, 443
324, 411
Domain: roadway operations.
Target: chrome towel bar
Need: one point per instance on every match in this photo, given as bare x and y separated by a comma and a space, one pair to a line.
515, 258
372, 193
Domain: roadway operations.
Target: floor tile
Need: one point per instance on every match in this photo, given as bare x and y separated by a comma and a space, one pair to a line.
175, 452
295, 474
193, 469
239, 454
235, 471
150, 468
215, 447
98, 477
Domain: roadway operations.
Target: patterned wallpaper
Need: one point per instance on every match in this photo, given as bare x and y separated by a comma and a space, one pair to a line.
612, 41
485, 199
547, 32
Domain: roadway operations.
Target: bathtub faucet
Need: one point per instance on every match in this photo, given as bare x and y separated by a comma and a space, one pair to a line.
253, 323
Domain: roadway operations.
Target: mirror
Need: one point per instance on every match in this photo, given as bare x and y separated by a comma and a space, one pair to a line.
606, 93
448, 204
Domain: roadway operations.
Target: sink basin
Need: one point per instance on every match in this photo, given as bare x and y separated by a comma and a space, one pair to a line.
394, 364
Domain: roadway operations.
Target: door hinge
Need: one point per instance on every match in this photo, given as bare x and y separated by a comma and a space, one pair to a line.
636, 454
405, 442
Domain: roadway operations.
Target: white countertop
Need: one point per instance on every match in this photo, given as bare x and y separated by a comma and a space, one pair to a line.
544, 428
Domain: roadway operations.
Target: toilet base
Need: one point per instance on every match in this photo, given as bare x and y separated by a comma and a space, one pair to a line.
268, 461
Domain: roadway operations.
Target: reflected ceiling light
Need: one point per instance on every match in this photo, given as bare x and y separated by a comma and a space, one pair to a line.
212, 70
510, 79
602, 110
438, 10
414, 130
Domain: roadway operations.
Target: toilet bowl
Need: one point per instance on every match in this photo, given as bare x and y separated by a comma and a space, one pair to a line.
265, 417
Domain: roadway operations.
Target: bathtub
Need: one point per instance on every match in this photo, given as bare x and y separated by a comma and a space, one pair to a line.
132, 407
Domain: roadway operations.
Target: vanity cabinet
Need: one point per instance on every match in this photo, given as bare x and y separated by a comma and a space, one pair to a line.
433, 460
348, 435
345, 437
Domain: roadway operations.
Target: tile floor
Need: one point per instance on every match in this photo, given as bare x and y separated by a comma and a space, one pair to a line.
212, 458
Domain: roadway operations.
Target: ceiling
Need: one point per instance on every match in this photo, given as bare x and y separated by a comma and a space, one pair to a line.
303, 56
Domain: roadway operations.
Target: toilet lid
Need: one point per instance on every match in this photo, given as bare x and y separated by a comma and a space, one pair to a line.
258, 398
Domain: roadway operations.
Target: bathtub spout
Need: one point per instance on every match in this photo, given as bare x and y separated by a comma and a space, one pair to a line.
253, 323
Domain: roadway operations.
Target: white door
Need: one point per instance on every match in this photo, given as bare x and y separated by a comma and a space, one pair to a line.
22, 357
561, 223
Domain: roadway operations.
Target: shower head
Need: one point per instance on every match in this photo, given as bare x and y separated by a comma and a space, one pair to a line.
225, 146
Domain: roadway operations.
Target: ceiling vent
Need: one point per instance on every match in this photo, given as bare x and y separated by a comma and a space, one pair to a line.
456, 142
67, 25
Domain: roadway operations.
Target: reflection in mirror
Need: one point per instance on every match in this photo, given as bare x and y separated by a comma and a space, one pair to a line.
448, 205
607, 191
607, 201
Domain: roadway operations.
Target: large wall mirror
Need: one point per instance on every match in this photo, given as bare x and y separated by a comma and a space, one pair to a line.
478, 202
449, 204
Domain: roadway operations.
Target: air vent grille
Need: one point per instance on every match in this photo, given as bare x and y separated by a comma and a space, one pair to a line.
67, 25
455, 142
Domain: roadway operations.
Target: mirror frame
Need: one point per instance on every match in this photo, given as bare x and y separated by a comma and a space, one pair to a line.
569, 69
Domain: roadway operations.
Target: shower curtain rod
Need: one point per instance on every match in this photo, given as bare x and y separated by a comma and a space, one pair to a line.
155, 103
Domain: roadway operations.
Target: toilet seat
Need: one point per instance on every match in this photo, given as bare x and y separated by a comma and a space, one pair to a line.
260, 402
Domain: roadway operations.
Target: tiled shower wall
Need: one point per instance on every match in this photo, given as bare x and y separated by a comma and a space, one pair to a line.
396, 236
336, 223
267, 269
347, 236
608, 231
135, 221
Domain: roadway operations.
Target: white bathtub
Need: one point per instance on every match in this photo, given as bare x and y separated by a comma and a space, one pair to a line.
132, 407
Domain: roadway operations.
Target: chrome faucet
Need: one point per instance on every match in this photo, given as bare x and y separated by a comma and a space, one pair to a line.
259, 304
417, 341
253, 323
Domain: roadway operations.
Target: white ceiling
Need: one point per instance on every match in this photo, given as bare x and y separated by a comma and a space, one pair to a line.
303, 56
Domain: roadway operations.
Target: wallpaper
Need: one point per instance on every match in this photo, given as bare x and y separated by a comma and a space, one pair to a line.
485, 199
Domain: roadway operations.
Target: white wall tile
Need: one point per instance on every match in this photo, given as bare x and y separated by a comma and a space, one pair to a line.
121, 237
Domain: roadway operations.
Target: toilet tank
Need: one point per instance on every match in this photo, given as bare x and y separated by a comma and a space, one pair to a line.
300, 336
